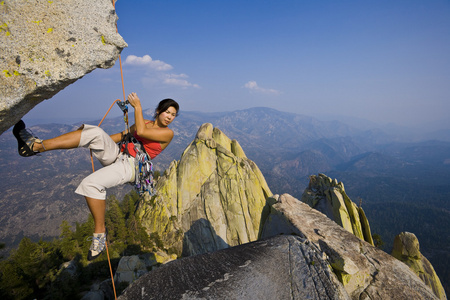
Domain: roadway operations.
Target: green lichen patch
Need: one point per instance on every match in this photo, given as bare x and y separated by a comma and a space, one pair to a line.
12, 73
343, 277
7, 73
4, 28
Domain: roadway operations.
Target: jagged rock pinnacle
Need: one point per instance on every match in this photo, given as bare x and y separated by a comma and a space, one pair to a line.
406, 249
212, 198
328, 196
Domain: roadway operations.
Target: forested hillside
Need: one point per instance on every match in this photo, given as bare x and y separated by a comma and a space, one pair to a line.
34, 270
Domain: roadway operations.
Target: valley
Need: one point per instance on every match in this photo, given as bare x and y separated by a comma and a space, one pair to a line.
402, 185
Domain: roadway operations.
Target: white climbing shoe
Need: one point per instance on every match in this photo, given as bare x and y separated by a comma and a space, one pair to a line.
98, 245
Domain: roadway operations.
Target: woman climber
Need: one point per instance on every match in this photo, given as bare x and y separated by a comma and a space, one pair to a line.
118, 161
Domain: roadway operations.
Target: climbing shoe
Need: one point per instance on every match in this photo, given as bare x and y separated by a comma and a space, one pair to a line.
98, 245
25, 139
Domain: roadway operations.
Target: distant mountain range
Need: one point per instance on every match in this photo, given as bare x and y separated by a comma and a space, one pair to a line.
379, 167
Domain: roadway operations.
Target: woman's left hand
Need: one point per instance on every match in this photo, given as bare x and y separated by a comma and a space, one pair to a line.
134, 100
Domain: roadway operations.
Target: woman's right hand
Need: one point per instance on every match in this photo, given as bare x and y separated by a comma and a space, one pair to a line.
134, 100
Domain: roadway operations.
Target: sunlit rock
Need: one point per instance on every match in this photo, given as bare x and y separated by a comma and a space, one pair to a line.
329, 197
129, 269
47, 45
365, 271
406, 249
212, 198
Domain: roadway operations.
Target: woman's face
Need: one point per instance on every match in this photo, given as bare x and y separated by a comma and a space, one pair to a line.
166, 117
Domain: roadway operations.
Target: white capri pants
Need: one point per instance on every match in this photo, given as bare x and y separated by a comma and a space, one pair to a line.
118, 168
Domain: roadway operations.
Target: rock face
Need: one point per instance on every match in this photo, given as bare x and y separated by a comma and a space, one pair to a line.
47, 45
314, 259
282, 267
365, 271
211, 199
406, 249
329, 197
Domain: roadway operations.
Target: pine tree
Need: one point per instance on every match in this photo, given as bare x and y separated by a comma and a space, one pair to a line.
115, 220
68, 244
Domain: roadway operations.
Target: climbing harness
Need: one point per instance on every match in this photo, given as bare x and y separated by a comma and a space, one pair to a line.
143, 166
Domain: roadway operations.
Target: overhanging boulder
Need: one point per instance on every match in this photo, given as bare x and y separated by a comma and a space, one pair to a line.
47, 45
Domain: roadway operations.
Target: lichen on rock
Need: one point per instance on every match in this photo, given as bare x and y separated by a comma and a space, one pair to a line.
407, 249
47, 45
329, 197
365, 271
212, 198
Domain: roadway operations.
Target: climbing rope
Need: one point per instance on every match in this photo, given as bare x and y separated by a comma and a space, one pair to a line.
122, 105
93, 170
92, 159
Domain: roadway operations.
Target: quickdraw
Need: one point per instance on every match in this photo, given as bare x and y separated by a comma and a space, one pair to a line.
144, 173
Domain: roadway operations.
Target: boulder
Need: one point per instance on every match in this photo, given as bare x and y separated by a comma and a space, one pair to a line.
132, 267
100, 291
70, 267
129, 269
211, 199
47, 45
282, 267
328, 196
365, 271
407, 249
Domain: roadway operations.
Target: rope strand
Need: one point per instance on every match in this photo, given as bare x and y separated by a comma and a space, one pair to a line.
92, 160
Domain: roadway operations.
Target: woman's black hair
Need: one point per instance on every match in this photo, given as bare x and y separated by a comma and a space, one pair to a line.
164, 105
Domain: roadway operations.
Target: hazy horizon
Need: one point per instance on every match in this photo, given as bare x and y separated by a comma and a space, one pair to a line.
384, 61
403, 133
443, 124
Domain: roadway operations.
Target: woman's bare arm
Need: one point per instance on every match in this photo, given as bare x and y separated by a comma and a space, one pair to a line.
157, 134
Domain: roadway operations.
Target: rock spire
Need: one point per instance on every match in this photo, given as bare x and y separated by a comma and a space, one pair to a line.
407, 249
328, 196
212, 198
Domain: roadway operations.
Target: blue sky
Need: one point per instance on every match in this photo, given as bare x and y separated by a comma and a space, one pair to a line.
385, 61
